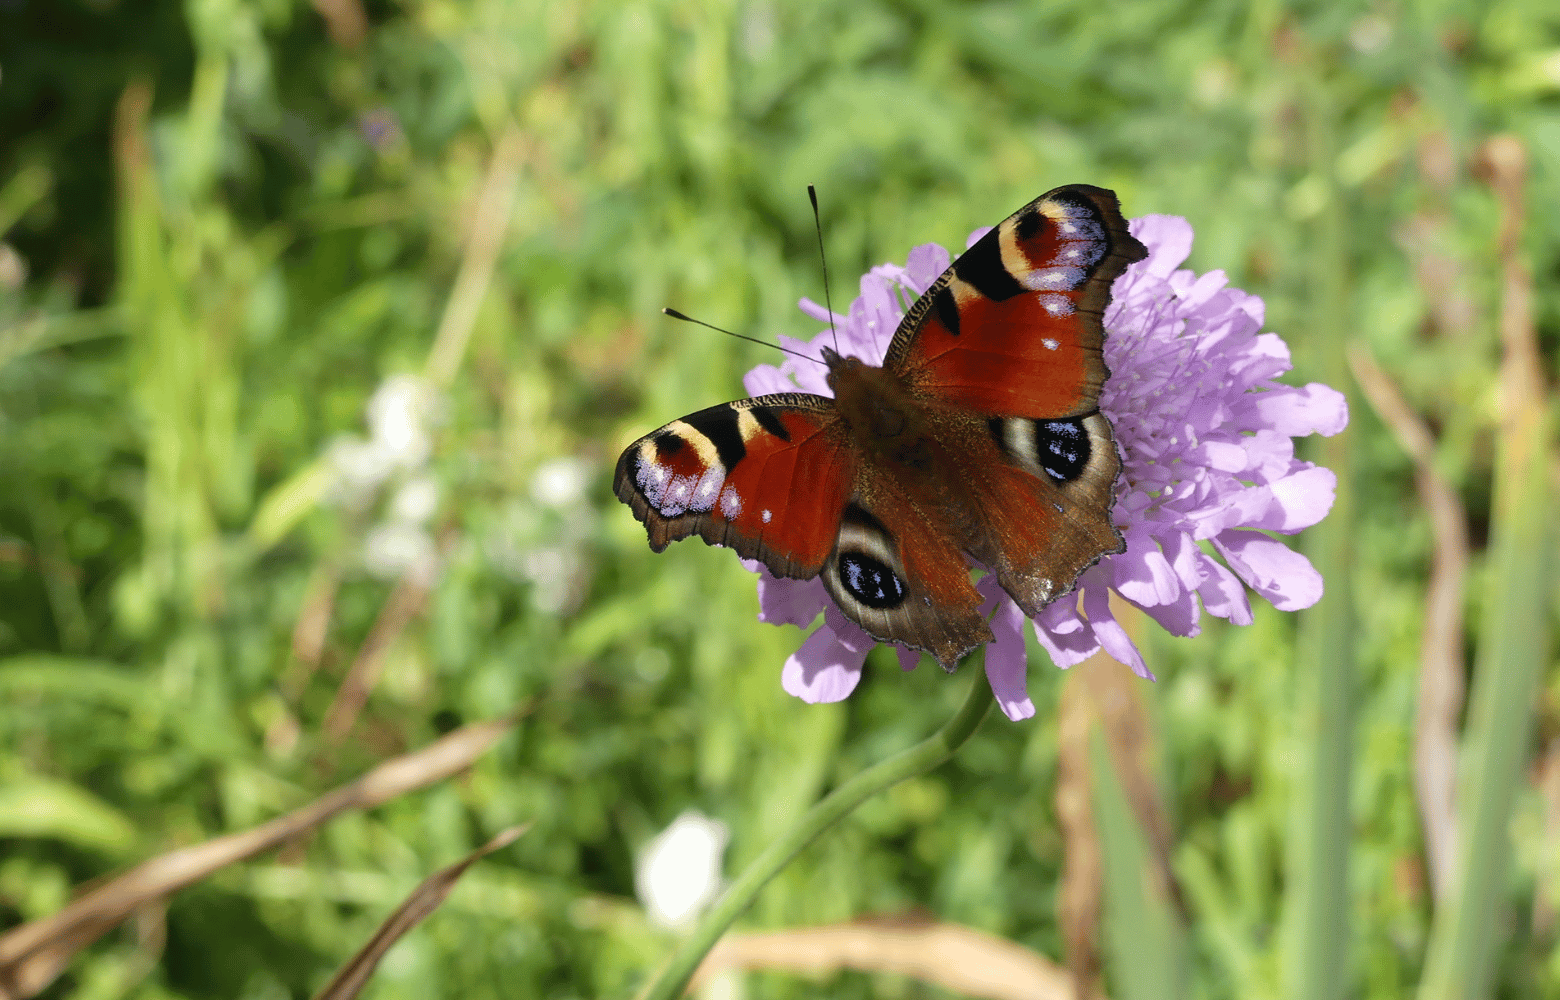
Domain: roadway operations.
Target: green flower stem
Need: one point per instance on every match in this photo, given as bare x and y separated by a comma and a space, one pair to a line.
835, 806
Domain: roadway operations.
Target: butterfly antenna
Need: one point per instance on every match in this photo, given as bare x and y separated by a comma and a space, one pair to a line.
812, 196
674, 314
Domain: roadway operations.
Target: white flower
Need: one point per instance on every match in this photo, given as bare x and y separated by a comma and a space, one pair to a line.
416, 500
679, 872
399, 413
560, 483
395, 548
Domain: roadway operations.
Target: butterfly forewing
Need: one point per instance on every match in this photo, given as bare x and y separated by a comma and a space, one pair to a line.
1014, 326
768, 477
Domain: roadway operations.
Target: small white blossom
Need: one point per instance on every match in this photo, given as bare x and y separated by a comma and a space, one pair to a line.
679, 872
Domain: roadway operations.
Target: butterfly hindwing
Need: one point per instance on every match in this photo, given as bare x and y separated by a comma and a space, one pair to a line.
1043, 490
766, 476
1014, 327
897, 571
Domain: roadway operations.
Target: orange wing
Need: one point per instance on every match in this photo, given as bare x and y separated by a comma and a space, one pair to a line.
1014, 327
768, 477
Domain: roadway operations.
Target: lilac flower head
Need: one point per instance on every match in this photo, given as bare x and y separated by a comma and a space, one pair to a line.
1206, 438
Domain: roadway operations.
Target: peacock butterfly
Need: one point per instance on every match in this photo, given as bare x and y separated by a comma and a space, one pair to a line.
980, 434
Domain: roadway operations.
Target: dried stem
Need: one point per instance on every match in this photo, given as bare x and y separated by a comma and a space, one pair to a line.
1441, 659
958, 959
345, 20
490, 223
1125, 724
405, 602
1078, 897
1468, 932
350, 979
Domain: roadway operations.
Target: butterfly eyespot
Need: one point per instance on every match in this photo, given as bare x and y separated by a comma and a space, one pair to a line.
870, 581
1062, 448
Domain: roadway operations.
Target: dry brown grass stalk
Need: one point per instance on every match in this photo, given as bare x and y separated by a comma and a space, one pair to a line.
1078, 896
345, 20
1546, 777
490, 224
1524, 393
956, 958
429, 894
1441, 658
405, 602
1101, 692
1522, 372
1124, 721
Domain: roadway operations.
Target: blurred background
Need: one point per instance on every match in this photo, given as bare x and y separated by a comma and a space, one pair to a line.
323, 321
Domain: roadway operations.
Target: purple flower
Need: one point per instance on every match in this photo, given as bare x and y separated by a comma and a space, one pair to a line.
1206, 438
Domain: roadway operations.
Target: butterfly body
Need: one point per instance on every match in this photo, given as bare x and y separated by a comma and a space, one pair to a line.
979, 436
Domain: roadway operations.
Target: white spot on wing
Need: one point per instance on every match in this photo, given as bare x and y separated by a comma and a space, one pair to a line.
707, 488
1056, 305
730, 504
1063, 279
766, 515
1050, 344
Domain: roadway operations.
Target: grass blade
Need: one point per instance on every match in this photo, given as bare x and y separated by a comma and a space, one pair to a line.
1513, 643
1315, 942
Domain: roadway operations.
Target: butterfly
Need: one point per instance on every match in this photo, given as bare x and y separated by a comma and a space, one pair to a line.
980, 435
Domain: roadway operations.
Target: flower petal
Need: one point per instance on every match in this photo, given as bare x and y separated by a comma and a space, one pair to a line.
787, 602
926, 264
1297, 411
1178, 617
1286, 505
1222, 592
1007, 662
819, 312
852, 636
1271, 568
824, 669
1169, 242
1113, 638
1182, 554
766, 379
1142, 574
1063, 634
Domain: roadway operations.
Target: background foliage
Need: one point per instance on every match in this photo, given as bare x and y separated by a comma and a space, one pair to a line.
228, 222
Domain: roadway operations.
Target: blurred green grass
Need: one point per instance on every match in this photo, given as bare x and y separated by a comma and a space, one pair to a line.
224, 230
